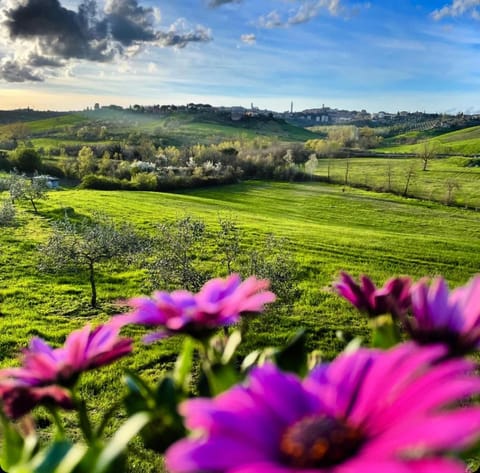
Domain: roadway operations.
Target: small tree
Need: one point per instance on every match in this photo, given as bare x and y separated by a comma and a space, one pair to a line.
30, 190
452, 185
311, 164
428, 151
228, 242
177, 246
87, 244
409, 175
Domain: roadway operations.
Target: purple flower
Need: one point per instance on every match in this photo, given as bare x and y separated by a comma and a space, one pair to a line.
47, 371
369, 411
219, 303
393, 297
452, 317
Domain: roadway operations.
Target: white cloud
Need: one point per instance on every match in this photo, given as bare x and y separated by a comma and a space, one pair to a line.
458, 8
250, 39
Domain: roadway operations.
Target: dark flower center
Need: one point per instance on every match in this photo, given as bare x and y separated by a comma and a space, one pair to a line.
319, 441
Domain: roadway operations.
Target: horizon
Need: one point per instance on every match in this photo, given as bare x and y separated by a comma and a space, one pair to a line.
347, 54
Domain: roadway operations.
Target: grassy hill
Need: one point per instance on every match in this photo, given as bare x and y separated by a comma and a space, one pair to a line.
172, 128
462, 142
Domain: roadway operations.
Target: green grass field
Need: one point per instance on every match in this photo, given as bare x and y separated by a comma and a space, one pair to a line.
462, 142
173, 129
327, 229
432, 184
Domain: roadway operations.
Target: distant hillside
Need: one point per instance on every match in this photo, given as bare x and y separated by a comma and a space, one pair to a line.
170, 128
462, 142
25, 115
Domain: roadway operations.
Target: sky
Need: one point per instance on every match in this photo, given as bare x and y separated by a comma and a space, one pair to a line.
378, 55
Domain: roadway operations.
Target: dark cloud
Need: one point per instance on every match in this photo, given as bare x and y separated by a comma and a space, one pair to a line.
180, 40
217, 3
57, 34
43, 61
129, 22
11, 71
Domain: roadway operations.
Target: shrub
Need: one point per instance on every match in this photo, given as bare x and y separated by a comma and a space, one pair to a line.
7, 213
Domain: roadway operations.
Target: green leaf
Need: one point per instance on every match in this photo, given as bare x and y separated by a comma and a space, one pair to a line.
385, 334
183, 365
221, 377
116, 446
49, 459
250, 360
294, 356
233, 342
13, 445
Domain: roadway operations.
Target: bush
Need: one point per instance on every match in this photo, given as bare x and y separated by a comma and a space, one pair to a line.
27, 160
7, 213
91, 181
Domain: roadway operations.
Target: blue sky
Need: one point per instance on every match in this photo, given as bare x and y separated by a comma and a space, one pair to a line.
379, 54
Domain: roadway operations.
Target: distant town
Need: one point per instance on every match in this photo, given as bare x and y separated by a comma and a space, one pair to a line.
322, 116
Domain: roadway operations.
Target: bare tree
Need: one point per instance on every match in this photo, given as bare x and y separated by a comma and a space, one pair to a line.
428, 151
347, 170
177, 246
228, 242
452, 185
87, 244
389, 176
409, 175
311, 164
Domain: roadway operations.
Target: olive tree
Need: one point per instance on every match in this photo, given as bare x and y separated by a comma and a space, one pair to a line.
177, 246
84, 245
22, 188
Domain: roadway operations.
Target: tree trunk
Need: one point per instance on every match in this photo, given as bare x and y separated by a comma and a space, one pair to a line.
405, 192
93, 300
34, 206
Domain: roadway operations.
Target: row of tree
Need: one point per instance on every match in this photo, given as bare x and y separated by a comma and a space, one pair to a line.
181, 253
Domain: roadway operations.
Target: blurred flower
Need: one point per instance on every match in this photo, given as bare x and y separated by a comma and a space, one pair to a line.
452, 317
46, 371
367, 411
17, 400
393, 298
219, 303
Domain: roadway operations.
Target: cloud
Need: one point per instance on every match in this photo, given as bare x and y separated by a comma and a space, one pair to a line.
180, 34
217, 3
250, 39
458, 8
306, 11
271, 20
43, 34
14, 72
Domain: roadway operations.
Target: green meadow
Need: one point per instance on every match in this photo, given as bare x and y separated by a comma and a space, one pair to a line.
443, 175
463, 142
326, 228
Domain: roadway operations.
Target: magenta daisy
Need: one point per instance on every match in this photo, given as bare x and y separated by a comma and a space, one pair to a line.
47, 372
219, 303
393, 298
452, 317
369, 411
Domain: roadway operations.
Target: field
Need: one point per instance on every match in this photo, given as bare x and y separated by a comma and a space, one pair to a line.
462, 142
327, 229
180, 128
447, 180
